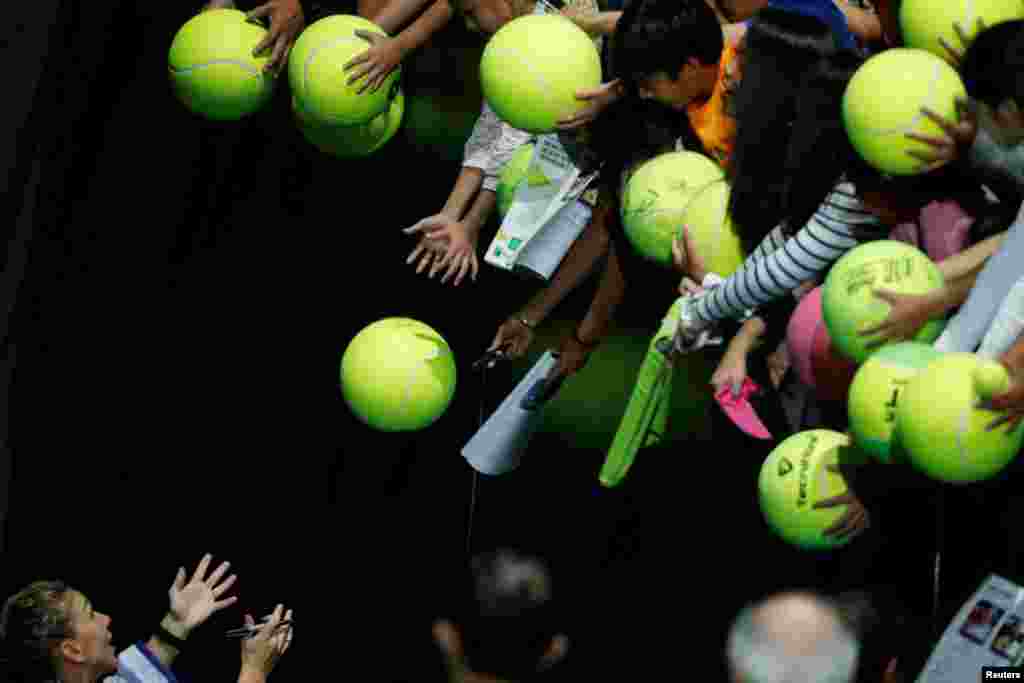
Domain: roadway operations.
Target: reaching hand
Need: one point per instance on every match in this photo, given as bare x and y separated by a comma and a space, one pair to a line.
731, 372
778, 362
908, 313
854, 522
192, 603
514, 337
445, 243
957, 54
686, 258
383, 56
286, 23
263, 651
1012, 402
958, 138
599, 98
587, 21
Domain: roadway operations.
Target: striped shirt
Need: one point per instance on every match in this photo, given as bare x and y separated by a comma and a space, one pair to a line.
779, 265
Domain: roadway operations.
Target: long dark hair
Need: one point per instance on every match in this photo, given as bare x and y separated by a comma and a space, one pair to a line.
633, 130
791, 148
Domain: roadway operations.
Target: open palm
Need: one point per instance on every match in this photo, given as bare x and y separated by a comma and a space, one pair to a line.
194, 601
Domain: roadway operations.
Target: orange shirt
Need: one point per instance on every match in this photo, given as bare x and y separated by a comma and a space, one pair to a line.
712, 119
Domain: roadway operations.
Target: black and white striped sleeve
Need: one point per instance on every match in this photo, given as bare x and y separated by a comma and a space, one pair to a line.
780, 265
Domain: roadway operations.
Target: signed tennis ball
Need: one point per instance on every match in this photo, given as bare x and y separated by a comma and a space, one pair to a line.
794, 477
875, 395
656, 198
849, 304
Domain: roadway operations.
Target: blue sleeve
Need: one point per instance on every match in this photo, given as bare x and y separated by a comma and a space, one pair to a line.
138, 665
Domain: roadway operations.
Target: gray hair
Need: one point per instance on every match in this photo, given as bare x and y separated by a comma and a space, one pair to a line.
757, 656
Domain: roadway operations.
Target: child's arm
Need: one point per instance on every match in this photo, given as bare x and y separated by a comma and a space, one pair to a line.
386, 53
429, 23
732, 369
601, 24
397, 12
969, 262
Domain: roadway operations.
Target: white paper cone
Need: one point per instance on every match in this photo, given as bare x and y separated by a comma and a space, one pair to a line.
498, 445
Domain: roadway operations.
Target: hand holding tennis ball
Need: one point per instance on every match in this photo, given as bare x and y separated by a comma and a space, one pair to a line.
942, 423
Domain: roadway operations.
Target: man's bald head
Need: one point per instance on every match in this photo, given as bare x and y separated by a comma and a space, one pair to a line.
792, 638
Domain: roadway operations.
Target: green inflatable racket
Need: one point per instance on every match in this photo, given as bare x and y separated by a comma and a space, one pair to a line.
645, 421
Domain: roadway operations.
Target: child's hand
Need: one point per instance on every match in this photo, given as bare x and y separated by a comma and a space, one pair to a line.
854, 522
599, 98
778, 364
731, 372
446, 243
1011, 403
958, 138
957, 54
908, 313
383, 57
686, 258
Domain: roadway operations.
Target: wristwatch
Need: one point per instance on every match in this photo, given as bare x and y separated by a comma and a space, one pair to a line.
522, 320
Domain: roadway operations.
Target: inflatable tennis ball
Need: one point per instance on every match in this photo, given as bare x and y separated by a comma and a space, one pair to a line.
849, 304
398, 375
532, 68
795, 476
812, 354
710, 227
875, 394
800, 334
923, 22
319, 81
941, 427
833, 372
883, 102
351, 141
512, 175
656, 198
212, 68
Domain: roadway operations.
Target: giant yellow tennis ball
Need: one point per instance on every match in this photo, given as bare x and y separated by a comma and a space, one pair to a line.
511, 176
348, 142
883, 103
849, 305
656, 198
923, 22
941, 427
532, 68
795, 476
319, 81
875, 394
713, 234
398, 375
212, 67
